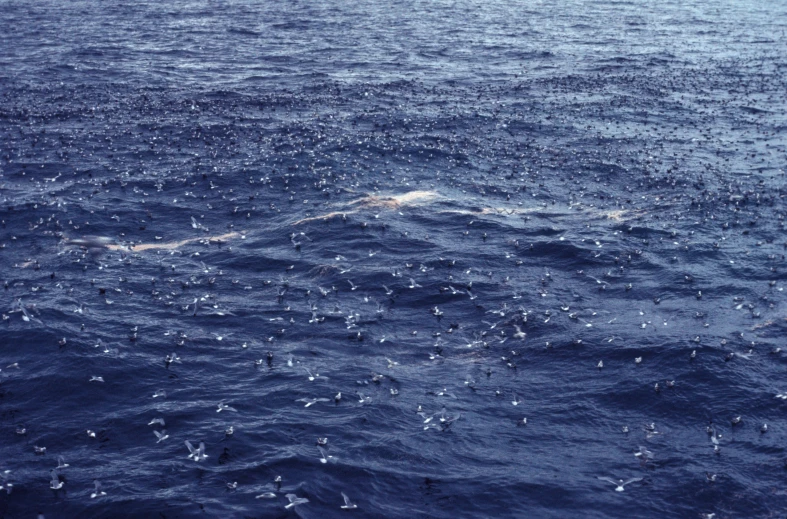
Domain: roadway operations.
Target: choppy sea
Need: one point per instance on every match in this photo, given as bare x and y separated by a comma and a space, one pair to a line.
529, 245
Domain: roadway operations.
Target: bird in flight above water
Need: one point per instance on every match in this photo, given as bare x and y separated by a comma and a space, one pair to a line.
197, 454
619, 484
348, 505
295, 500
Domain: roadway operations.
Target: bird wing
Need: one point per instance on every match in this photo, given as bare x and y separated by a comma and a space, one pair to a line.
55, 479
632, 480
322, 400
346, 499
160, 435
449, 421
97, 483
191, 447
610, 480
202, 449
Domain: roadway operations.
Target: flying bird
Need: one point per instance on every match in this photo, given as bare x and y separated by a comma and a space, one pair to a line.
295, 500
619, 484
55, 484
348, 505
97, 492
197, 454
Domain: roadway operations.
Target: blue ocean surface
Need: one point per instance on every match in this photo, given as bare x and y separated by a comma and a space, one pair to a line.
451, 259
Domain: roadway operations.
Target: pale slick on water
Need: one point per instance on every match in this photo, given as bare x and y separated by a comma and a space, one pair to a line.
96, 244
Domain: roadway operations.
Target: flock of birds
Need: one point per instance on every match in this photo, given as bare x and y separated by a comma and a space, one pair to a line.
490, 236
508, 330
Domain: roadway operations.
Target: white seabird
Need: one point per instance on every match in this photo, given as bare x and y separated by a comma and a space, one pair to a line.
197, 454
295, 500
619, 484
348, 505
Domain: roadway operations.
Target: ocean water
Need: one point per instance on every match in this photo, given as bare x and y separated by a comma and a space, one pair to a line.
468, 218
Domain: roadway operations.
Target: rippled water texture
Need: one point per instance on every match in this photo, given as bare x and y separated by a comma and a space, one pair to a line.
467, 218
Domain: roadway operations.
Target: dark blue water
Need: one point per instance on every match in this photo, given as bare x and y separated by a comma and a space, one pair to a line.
462, 206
